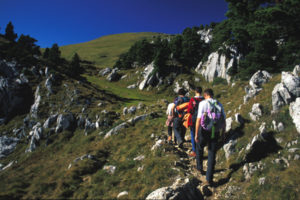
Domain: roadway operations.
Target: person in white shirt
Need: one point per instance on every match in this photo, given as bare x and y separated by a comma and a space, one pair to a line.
169, 122
203, 137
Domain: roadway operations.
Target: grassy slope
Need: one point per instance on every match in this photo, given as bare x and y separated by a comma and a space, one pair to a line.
44, 173
105, 50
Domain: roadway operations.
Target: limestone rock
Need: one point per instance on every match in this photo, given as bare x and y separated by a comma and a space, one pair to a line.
280, 127
259, 78
50, 121
48, 84
7, 145
140, 106
137, 118
256, 112
116, 129
133, 86
205, 35
139, 158
261, 181
218, 65
8, 165
228, 124
125, 111
184, 189
229, 148
296, 70
36, 136
238, 118
292, 83
286, 91
147, 75
110, 169
295, 113
256, 82
122, 194
185, 85
132, 110
35, 107
157, 145
65, 122
113, 76
105, 71
259, 137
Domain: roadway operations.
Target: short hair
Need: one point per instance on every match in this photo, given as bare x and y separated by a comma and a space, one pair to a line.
181, 91
209, 92
198, 90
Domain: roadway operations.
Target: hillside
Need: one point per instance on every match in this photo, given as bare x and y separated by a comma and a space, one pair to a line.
104, 51
71, 129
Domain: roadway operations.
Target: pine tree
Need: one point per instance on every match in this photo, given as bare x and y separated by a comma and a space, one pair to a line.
75, 69
9, 32
46, 53
54, 55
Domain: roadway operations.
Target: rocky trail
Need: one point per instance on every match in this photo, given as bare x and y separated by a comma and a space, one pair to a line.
192, 186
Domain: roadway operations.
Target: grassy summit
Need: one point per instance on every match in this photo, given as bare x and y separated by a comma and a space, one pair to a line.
104, 51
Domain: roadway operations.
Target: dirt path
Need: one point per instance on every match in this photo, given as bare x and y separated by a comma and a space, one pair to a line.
189, 165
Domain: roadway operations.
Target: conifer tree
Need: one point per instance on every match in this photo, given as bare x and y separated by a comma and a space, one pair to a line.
9, 32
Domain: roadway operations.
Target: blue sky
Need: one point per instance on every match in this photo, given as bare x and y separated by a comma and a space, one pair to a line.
74, 21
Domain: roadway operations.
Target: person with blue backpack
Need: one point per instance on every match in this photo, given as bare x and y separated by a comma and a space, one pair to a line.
209, 125
193, 110
178, 113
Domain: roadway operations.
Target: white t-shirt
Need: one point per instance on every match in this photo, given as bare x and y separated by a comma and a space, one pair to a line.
205, 105
169, 110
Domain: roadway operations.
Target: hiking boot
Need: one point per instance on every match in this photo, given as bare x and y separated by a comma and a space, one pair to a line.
202, 172
192, 154
208, 183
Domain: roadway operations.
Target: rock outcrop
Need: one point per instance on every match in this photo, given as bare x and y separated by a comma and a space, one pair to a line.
285, 92
181, 189
295, 113
36, 136
218, 65
105, 71
65, 122
185, 85
15, 98
7, 145
113, 76
149, 77
256, 82
35, 106
256, 112
50, 121
49, 83
205, 35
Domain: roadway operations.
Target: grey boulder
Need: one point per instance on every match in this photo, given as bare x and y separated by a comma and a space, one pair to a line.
7, 145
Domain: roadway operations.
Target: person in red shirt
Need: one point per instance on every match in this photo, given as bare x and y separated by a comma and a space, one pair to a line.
193, 110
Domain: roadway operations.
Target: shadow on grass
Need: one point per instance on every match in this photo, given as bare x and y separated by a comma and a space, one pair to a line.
259, 150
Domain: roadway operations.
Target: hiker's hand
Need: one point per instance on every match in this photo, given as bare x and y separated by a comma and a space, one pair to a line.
196, 138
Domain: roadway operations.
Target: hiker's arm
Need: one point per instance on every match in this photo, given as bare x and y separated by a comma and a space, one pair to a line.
197, 129
172, 110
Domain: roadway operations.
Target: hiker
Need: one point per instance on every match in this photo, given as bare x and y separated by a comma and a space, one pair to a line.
193, 110
210, 122
178, 113
169, 122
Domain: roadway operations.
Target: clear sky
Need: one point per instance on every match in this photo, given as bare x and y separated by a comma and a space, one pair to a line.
74, 21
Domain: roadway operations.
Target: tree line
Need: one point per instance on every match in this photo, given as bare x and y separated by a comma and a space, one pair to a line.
27, 53
264, 32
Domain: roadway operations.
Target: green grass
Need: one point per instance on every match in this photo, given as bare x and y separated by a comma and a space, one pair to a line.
104, 51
